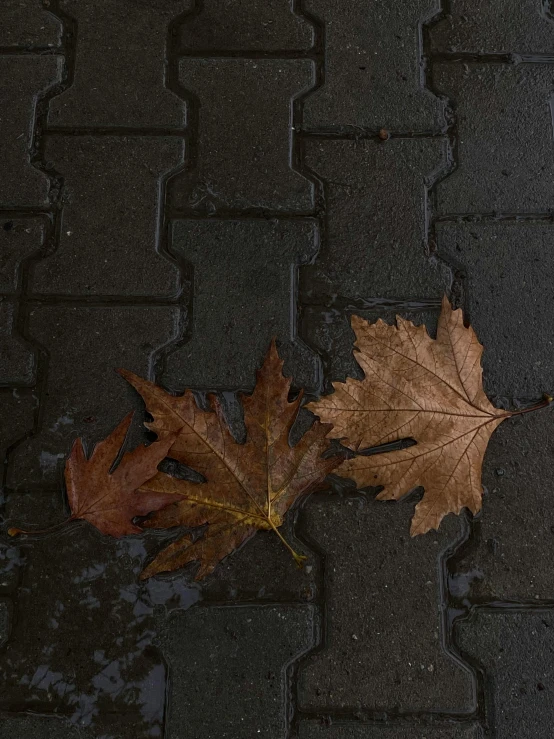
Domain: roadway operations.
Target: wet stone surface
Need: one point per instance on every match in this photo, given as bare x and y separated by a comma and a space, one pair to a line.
180, 183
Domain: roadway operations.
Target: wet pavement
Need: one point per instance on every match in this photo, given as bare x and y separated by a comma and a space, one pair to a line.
180, 181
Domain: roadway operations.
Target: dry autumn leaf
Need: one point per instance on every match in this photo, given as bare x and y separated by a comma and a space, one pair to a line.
110, 500
248, 486
426, 389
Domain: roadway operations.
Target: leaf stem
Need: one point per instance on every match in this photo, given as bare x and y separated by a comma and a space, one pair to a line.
16, 531
298, 558
546, 400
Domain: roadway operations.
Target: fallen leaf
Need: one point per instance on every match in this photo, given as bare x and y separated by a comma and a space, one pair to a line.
420, 388
248, 486
110, 500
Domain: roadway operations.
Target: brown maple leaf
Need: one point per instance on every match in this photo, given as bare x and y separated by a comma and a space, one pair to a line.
248, 486
420, 388
110, 500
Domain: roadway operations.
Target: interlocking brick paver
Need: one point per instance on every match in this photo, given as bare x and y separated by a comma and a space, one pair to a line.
22, 80
245, 26
16, 356
515, 652
374, 657
244, 285
243, 141
501, 26
368, 184
510, 556
4, 621
17, 413
317, 730
84, 396
505, 150
370, 50
228, 668
119, 73
507, 263
109, 245
26, 23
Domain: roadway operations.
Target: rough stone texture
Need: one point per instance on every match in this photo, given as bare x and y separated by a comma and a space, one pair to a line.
26, 24
16, 412
515, 652
16, 356
84, 396
4, 621
373, 48
215, 681
243, 157
243, 25
507, 263
245, 275
118, 78
20, 238
505, 150
109, 245
22, 80
315, 730
501, 26
510, 556
24, 726
375, 657
367, 184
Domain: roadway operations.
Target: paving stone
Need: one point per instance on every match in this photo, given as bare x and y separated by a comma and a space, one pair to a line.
228, 669
316, 730
505, 157
364, 235
244, 287
22, 80
84, 396
119, 73
24, 726
17, 358
501, 26
246, 26
111, 682
243, 138
26, 23
510, 555
515, 651
374, 656
508, 263
374, 68
108, 245
20, 238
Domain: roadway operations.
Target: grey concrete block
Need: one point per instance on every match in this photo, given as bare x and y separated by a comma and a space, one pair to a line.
376, 211
376, 656
24, 726
109, 245
245, 274
17, 357
22, 80
243, 158
374, 68
84, 396
229, 669
501, 26
510, 289
27, 24
510, 556
119, 74
515, 652
505, 158
17, 413
20, 238
245, 26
